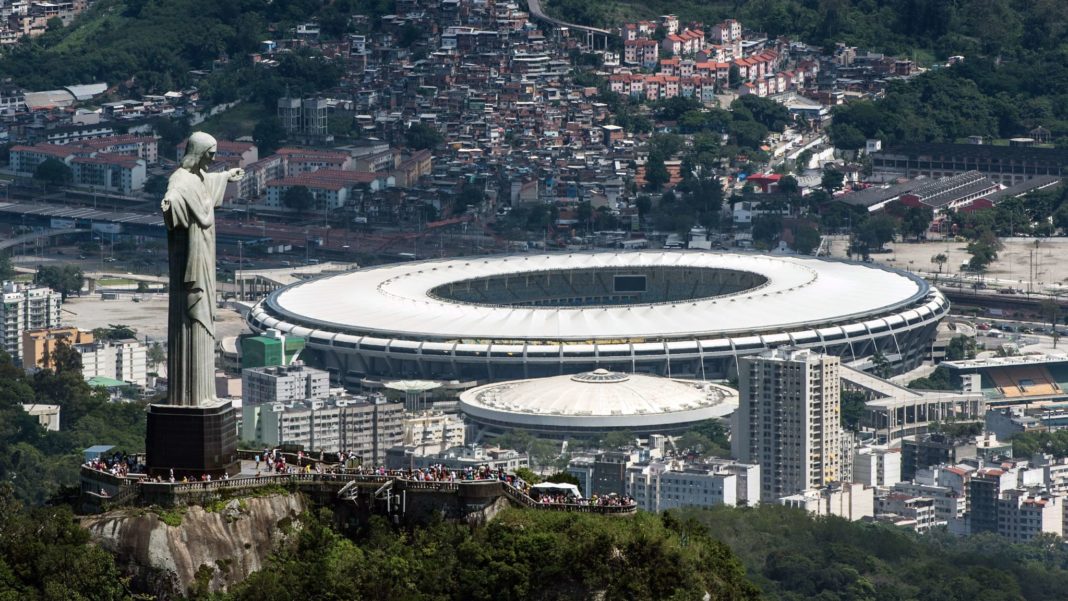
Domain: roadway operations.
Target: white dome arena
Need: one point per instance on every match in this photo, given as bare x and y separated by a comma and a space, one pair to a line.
677, 313
596, 402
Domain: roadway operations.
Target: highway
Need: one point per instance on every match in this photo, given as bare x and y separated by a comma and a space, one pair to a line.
30, 237
537, 13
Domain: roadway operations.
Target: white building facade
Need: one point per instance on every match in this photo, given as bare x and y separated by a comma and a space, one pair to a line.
284, 384
26, 308
662, 485
124, 360
788, 421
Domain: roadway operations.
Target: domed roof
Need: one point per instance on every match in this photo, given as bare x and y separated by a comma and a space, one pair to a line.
599, 394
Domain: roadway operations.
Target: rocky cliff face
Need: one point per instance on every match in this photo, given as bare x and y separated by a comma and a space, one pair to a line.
233, 541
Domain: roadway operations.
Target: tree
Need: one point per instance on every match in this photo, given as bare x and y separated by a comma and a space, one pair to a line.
983, 252
421, 136
155, 354
734, 76
643, 203
268, 135
788, 185
618, 439
832, 181
52, 171
298, 198
564, 478
873, 233
960, 348
940, 259
748, 134
656, 173
939, 379
880, 364
766, 230
114, 332
584, 212
7, 270
156, 185
806, 239
1051, 310
527, 475
852, 408
916, 221
471, 195
61, 278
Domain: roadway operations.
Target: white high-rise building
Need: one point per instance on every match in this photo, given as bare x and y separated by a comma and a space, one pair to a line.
434, 432
362, 426
668, 484
1023, 515
877, 465
284, 384
123, 360
26, 308
788, 421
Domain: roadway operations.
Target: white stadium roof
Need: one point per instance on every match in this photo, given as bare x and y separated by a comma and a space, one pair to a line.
395, 300
598, 399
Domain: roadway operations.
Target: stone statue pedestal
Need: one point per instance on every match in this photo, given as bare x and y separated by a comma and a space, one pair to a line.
192, 441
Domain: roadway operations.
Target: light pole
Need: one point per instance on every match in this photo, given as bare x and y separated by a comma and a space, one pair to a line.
240, 265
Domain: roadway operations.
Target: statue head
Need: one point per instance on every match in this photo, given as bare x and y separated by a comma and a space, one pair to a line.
199, 151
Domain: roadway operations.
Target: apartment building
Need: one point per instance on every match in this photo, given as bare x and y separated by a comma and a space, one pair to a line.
26, 307
788, 421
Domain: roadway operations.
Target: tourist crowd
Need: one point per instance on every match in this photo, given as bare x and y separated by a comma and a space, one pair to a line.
118, 464
276, 463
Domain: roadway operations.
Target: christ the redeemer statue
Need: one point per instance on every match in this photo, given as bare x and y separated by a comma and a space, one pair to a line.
189, 212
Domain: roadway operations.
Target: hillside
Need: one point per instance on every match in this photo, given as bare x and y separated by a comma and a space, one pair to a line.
149, 46
926, 28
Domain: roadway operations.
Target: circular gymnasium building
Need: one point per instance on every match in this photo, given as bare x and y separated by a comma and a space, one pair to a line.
681, 314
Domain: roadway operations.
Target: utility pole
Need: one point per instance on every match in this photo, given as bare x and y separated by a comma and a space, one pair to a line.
240, 266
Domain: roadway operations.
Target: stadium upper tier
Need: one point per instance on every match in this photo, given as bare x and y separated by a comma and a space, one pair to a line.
657, 311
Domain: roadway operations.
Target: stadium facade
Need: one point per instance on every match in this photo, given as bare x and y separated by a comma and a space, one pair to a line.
681, 314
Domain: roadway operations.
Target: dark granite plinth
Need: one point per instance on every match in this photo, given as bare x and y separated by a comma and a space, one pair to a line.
192, 441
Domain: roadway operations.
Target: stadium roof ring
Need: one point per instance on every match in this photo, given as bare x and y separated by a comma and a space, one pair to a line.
677, 313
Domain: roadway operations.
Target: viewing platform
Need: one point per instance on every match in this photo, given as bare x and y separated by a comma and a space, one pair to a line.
396, 493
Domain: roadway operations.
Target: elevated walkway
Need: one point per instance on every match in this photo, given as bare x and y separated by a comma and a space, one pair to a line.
395, 494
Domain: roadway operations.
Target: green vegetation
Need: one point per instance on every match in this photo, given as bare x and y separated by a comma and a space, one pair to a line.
61, 278
768, 552
7, 270
958, 429
298, 199
420, 136
793, 557
39, 463
114, 332
852, 404
960, 348
153, 45
1028, 443
938, 380
522, 554
171, 517
236, 122
45, 555
53, 172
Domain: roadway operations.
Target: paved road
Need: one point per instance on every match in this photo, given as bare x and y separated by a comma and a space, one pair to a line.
537, 13
17, 240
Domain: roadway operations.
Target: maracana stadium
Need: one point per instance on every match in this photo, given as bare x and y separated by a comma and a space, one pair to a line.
681, 314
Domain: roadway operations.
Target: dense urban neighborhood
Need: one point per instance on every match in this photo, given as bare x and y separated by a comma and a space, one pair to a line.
533, 299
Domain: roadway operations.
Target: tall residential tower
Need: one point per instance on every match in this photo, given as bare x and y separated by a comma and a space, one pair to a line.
788, 421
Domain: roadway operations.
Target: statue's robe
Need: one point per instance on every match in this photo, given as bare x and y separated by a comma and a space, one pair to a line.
189, 212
